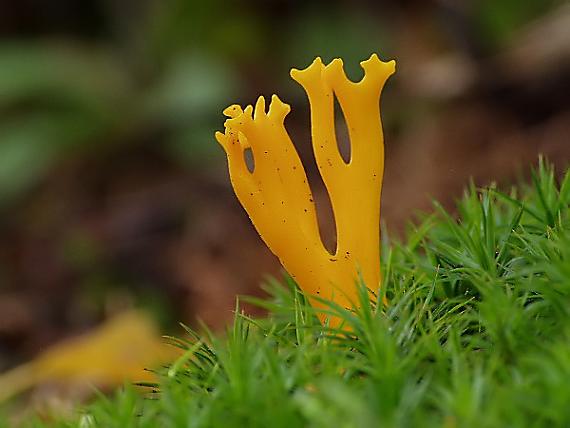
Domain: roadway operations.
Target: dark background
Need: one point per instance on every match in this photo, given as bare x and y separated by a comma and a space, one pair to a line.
114, 193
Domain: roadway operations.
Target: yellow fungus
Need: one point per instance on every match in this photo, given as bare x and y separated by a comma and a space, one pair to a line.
277, 196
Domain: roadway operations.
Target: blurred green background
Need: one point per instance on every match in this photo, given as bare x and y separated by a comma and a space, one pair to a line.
114, 193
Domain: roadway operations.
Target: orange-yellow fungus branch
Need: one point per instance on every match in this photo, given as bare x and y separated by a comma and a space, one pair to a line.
277, 196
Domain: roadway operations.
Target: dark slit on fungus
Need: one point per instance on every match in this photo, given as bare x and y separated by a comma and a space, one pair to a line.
325, 214
341, 130
249, 159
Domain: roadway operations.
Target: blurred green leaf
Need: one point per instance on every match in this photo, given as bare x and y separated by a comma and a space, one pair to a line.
61, 75
53, 98
29, 146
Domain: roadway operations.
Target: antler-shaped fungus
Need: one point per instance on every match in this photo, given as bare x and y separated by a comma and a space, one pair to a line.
277, 196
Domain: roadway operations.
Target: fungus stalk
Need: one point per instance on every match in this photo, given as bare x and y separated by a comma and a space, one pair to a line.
277, 196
